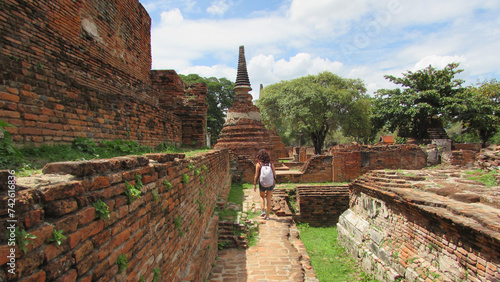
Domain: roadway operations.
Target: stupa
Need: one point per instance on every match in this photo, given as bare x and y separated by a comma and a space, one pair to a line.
243, 132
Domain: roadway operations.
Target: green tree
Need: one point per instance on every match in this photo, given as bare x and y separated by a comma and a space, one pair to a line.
220, 96
313, 105
478, 109
421, 103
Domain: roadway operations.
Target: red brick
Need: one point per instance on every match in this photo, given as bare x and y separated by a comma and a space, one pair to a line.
30, 116
52, 251
83, 250
9, 97
86, 215
55, 267
13, 90
43, 234
69, 276
100, 182
62, 207
68, 223
33, 218
36, 277
61, 191
121, 237
9, 114
101, 238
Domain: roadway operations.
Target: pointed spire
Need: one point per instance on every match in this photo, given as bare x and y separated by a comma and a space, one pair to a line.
242, 80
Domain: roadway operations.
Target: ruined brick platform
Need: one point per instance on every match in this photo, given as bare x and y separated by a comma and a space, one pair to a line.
434, 224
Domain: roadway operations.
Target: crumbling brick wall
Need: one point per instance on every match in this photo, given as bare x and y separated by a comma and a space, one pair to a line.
403, 225
187, 101
171, 227
83, 69
351, 162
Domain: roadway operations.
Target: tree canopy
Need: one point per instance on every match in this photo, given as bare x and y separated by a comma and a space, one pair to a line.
423, 100
220, 95
315, 104
478, 109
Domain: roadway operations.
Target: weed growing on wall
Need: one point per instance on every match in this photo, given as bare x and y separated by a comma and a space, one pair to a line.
23, 238
155, 196
201, 206
101, 209
167, 184
122, 261
156, 275
177, 224
185, 178
57, 236
132, 192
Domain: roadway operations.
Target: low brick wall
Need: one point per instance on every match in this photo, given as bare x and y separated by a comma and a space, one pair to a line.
469, 146
322, 205
432, 225
351, 162
463, 157
169, 228
316, 169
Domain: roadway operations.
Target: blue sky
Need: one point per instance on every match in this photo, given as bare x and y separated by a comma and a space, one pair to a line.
286, 39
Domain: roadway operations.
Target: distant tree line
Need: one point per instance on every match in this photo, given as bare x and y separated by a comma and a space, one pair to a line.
325, 109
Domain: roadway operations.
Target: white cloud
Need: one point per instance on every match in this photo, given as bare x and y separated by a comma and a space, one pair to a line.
218, 7
304, 37
438, 62
217, 71
265, 69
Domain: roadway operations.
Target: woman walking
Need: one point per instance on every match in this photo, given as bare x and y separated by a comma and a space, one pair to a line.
266, 176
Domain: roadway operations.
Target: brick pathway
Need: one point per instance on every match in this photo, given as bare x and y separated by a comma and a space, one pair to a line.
279, 254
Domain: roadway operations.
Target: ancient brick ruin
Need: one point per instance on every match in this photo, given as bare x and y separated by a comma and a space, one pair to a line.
83, 69
243, 132
435, 225
170, 228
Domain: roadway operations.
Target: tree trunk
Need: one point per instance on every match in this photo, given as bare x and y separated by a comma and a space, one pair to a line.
318, 138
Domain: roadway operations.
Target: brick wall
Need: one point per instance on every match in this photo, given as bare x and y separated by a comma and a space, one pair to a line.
187, 101
467, 146
318, 168
322, 205
83, 69
399, 228
352, 161
172, 229
463, 157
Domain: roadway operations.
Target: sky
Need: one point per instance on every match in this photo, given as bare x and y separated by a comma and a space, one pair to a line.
287, 39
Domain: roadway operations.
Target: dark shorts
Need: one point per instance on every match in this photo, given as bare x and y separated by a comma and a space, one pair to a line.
264, 189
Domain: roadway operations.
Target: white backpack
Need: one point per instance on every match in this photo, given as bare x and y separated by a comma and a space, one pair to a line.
266, 175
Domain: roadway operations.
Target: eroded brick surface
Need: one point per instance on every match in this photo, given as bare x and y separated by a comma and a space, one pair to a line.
170, 228
424, 223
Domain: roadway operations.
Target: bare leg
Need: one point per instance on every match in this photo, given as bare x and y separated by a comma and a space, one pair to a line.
263, 200
269, 196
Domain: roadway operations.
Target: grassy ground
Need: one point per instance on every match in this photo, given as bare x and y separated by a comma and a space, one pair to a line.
329, 259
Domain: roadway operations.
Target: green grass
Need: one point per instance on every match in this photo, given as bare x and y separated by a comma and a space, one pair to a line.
329, 259
235, 196
489, 179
